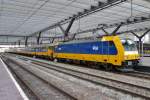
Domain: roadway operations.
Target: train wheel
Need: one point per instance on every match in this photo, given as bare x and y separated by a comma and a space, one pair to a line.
89, 64
108, 67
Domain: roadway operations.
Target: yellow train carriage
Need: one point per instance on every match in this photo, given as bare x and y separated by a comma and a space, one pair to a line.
24, 51
44, 51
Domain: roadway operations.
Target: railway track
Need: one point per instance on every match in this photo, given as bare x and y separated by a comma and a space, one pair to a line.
74, 92
30, 94
124, 87
40, 88
138, 74
134, 89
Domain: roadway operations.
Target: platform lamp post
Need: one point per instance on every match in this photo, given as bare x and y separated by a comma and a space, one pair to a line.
140, 41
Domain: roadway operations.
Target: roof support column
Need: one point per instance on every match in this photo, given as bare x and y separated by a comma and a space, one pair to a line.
69, 27
26, 41
106, 33
149, 38
14, 43
52, 40
140, 45
19, 42
112, 33
65, 32
61, 28
38, 38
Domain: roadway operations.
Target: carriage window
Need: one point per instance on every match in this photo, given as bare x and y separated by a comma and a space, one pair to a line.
44, 49
50, 47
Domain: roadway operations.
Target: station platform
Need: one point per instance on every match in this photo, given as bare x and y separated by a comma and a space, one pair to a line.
145, 61
9, 88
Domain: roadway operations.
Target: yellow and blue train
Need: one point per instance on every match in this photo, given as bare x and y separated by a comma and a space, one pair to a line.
43, 51
109, 51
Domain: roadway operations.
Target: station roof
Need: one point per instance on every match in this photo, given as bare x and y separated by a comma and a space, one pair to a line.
28, 17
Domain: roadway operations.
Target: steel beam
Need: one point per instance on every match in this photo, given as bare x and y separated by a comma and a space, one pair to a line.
65, 32
52, 40
129, 31
140, 39
15, 43
9, 35
135, 34
105, 31
114, 32
26, 41
117, 33
133, 30
141, 35
74, 35
126, 22
71, 38
20, 36
12, 43
61, 28
86, 12
145, 33
69, 27
19, 42
38, 38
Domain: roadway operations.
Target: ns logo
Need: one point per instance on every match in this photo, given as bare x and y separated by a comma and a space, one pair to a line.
95, 48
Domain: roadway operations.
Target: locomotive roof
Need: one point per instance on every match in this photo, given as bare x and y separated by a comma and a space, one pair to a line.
41, 45
81, 41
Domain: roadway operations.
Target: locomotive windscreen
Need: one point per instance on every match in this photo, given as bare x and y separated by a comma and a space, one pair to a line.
129, 45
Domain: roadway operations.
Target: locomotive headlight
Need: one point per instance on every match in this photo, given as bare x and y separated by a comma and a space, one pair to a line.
125, 57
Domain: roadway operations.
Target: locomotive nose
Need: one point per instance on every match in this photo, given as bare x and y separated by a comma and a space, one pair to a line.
131, 55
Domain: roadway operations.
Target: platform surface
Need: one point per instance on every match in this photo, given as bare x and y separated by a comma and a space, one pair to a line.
145, 61
8, 87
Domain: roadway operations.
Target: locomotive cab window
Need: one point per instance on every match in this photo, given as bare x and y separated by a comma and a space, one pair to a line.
111, 43
129, 45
